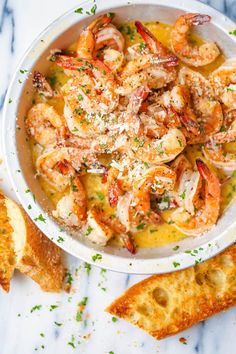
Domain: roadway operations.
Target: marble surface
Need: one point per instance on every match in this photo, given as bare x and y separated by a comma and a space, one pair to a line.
32, 321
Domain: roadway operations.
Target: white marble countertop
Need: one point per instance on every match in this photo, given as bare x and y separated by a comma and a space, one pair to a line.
26, 329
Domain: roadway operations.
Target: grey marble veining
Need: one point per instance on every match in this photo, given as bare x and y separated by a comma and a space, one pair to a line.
24, 331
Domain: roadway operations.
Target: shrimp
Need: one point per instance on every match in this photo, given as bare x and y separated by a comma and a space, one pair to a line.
214, 150
154, 66
156, 180
114, 186
104, 227
87, 39
192, 54
223, 81
227, 136
95, 85
113, 59
206, 216
130, 117
78, 121
134, 207
131, 217
178, 105
71, 209
145, 61
109, 37
206, 108
44, 124
158, 150
221, 159
49, 165
188, 184
97, 232
167, 73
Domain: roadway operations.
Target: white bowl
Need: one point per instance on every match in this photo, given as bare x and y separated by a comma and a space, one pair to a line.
60, 34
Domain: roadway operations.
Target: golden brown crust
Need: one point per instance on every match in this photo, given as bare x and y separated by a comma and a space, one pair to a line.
42, 259
39, 257
7, 254
166, 304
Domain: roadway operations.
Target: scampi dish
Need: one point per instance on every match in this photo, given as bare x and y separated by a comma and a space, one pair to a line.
132, 132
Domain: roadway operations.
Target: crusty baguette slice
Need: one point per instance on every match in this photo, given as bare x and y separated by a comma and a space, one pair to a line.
166, 304
35, 255
7, 253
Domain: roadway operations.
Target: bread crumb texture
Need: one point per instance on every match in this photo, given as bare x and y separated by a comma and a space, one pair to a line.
166, 304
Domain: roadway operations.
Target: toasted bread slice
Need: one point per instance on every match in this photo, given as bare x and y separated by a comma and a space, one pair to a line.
35, 255
7, 253
166, 304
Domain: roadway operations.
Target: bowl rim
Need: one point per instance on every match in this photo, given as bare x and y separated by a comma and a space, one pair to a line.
49, 227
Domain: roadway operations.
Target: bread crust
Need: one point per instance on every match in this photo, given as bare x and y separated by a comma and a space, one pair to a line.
166, 304
42, 259
38, 257
7, 254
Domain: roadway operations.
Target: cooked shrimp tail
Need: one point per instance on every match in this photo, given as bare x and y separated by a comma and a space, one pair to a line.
87, 40
154, 45
189, 53
128, 243
42, 85
209, 177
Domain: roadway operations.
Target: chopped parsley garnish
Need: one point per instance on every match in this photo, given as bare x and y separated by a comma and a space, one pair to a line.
88, 231
110, 14
96, 257
36, 308
153, 230
40, 218
22, 71
92, 10
140, 226
69, 278
197, 261
183, 195
72, 185
79, 10
84, 301
79, 316
233, 32
140, 142
80, 98
75, 129
129, 31
230, 89
53, 307
87, 266
100, 195
57, 323
82, 305
176, 264
114, 319
60, 239
222, 129
42, 335
29, 207
72, 342
175, 248
10, 100
142, 46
